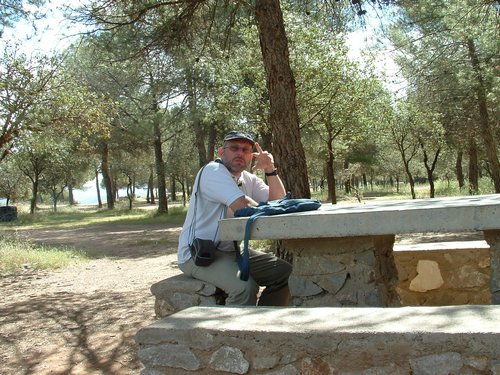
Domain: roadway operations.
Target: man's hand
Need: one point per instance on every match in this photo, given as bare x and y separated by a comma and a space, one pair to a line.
263, 160
241, 202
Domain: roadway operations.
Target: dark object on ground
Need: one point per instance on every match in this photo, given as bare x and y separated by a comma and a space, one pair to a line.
8, 213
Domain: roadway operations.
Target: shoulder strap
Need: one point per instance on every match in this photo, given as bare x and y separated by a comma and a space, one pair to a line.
192, 229
244, 260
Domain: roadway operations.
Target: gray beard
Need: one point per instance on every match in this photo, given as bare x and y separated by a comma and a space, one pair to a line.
231, 170
228, 166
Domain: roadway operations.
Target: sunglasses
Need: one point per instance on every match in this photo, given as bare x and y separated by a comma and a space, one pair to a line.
236, 148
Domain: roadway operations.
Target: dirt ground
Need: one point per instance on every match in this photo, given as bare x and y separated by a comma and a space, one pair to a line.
82, 319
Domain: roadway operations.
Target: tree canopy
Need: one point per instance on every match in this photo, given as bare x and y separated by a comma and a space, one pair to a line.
147, 93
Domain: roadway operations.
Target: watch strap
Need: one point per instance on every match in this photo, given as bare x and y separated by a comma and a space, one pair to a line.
273, 173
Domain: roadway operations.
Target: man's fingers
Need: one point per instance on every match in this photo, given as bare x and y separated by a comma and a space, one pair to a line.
263, 158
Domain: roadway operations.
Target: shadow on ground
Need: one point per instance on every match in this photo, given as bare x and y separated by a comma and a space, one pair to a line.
58, 333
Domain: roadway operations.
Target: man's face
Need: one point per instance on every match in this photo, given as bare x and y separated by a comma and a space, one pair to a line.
236, 155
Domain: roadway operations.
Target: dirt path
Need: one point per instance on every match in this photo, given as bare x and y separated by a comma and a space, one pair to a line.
82, 319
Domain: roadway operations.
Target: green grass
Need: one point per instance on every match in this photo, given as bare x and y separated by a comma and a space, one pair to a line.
68, 217
443, 188
17, 255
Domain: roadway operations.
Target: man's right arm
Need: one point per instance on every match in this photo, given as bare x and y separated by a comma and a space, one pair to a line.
242, 202
219, 186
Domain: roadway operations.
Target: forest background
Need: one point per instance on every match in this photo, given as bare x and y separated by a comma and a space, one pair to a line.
146, 92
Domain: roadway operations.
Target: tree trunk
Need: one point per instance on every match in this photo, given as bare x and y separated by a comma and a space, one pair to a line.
430, 168
130, 193
173, 189
473, 167
151, 187
346, 178
430, 173
407, 152
267, 139
287, 146
212, 138
115, 187
34, 195
56, 196
487, 134
199, 133
458, 168
97, 188
160, 170
411, 181
184, 193
71, 198
106, 176
330, 179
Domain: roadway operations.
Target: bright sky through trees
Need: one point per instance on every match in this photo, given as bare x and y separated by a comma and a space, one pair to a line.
46, 36
53, 33
370, 40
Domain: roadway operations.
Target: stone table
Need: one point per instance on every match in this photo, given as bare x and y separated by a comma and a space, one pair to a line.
342, 254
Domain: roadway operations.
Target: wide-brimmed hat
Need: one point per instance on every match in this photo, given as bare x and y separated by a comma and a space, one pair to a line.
232, 135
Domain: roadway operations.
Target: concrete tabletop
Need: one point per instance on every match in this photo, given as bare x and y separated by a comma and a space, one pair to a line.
449, 214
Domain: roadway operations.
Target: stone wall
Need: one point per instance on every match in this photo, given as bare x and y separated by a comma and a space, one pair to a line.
430, 274
318, 341
445, 273
180, 292
343, 271
416, 340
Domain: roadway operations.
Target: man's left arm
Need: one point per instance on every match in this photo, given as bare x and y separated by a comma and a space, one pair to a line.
276, 188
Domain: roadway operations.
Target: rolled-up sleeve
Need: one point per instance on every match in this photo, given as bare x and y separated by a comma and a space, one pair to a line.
217, 185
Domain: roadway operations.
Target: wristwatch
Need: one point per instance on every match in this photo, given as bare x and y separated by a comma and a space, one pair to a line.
273, 173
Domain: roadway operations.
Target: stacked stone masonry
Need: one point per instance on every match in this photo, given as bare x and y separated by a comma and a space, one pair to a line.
343, 271
293, 341
180, 292
440, 274
453, 273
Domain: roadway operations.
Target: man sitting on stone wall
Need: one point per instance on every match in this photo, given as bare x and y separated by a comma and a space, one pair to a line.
222, 187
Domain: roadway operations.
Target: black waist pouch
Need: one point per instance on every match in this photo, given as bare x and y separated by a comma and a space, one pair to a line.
203, 252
